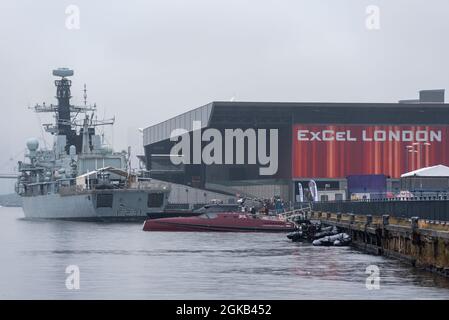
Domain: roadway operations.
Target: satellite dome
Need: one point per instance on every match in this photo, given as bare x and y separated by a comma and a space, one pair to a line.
32, 144
63, 72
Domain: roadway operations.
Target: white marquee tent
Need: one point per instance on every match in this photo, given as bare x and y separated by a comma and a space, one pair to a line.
434, 171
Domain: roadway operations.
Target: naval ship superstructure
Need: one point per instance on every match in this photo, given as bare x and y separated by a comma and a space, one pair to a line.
81, 177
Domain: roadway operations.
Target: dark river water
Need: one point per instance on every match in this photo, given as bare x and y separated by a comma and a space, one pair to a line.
121, 261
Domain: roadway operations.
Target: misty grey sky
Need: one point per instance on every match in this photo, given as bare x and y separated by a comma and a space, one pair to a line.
146, 61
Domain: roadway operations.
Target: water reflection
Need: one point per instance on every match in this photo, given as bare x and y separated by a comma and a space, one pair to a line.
121, 261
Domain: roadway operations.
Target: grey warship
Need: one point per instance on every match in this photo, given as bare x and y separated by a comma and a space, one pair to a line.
80, 177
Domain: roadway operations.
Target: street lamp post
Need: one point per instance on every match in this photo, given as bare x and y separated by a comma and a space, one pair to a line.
419, 150
409, 149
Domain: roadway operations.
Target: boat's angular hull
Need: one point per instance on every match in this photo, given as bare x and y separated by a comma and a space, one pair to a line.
222, 223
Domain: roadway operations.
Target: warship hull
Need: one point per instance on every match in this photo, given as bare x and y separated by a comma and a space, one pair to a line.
81, 177
115, 205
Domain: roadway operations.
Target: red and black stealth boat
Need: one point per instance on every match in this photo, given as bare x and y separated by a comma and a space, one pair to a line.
223, 222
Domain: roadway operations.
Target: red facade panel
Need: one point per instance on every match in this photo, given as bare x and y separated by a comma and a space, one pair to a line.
336, 151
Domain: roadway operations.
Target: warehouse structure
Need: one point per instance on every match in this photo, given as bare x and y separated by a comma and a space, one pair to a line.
326, 142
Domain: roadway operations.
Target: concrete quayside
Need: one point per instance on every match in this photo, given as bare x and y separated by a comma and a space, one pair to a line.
422, 243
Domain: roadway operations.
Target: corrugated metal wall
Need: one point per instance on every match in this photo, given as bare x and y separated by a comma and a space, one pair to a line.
185, 194
265, 191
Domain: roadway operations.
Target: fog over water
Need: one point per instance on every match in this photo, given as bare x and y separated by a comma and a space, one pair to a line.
145, 61
120, 261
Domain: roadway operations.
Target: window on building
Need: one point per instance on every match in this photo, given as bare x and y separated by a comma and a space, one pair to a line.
338, 197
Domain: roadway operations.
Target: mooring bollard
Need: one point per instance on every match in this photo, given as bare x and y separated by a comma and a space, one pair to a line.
386, 219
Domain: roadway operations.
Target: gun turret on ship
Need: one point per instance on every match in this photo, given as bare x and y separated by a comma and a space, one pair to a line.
81, 177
